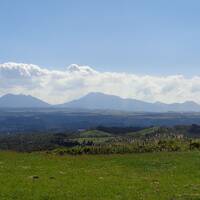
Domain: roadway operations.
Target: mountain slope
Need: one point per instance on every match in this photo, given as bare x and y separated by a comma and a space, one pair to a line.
104, 101
111, 102
99, 101
21, 101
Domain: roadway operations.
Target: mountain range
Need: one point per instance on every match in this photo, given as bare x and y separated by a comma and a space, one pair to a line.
99, 101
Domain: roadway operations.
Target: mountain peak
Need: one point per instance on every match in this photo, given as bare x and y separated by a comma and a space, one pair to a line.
99, 94
98, 100
15, 95
21, 101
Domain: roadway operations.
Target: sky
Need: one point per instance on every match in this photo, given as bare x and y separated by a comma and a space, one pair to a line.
144, 37
116, 39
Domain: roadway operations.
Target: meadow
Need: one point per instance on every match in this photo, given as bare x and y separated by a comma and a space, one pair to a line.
142, 176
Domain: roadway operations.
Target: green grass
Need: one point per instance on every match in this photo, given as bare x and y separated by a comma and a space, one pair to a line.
155, 176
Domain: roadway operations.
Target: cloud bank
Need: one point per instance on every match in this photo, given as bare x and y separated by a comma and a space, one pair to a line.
56, 86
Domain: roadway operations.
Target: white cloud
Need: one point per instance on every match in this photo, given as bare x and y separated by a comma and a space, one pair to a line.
56, 86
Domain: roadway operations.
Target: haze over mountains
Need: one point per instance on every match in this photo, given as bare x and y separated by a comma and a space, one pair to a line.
111, 102
99, 101
21, 101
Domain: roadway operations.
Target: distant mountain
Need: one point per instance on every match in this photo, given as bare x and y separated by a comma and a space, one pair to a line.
21, 101
110, 102
99, 101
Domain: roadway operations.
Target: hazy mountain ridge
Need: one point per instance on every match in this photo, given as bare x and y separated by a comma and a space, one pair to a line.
21, 101
96, 100
111, 102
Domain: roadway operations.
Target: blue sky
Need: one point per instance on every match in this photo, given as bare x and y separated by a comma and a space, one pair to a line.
144, 37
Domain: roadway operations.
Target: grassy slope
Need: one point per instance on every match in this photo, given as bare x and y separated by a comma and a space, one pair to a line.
160, 176
143, 132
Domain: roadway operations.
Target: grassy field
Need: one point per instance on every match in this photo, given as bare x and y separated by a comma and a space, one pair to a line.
159, 176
